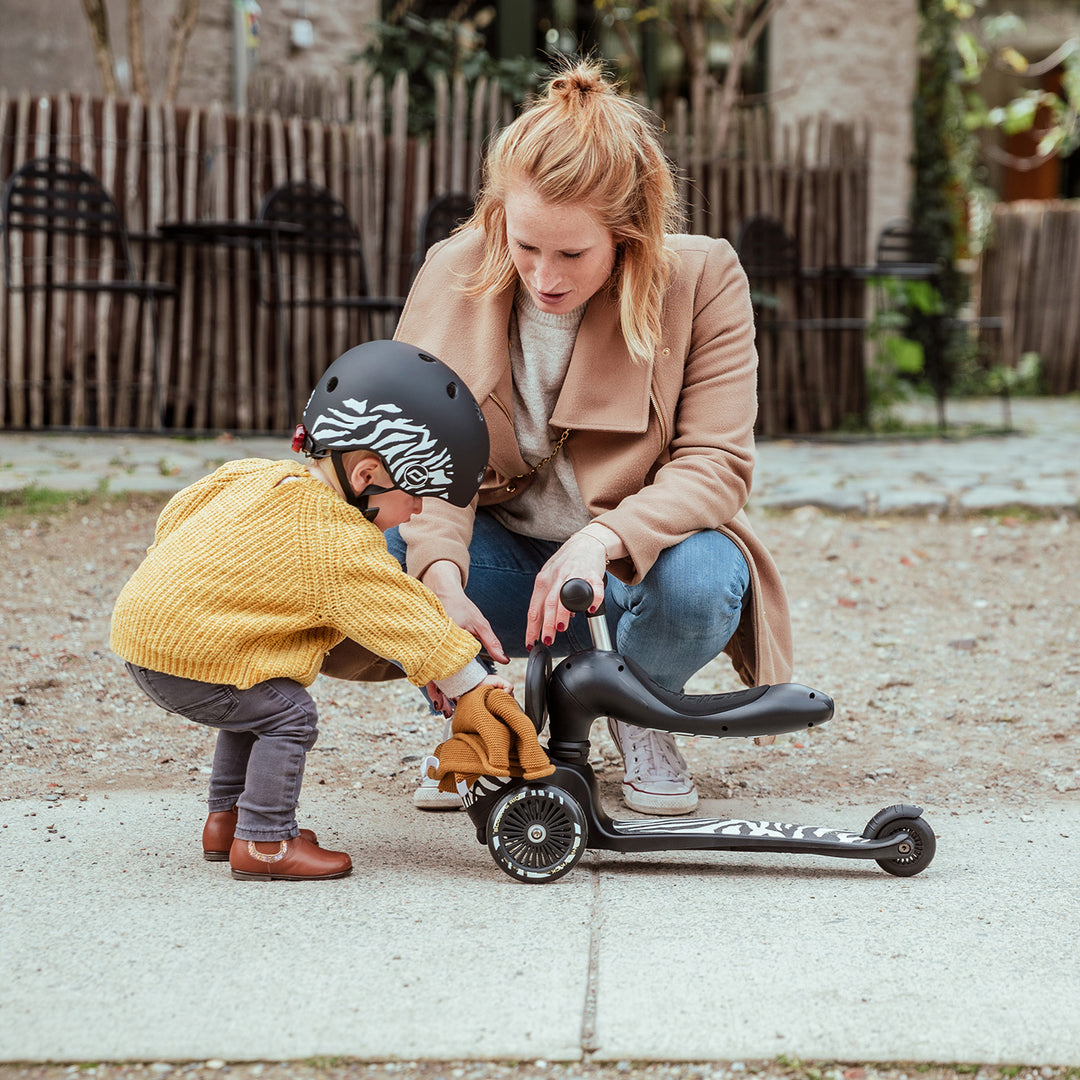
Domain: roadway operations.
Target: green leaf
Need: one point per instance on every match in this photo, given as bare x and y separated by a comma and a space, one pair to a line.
1015, 59
1018, 115
971, 56
923, 297
906, 355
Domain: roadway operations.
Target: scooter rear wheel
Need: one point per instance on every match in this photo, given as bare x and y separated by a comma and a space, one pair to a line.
923, 846
537, 833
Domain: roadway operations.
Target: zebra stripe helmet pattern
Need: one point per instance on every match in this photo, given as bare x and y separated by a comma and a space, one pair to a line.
407, 407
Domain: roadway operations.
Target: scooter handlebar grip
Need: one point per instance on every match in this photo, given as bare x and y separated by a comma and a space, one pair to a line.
576, 595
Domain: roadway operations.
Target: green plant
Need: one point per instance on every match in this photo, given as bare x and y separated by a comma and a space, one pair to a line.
943, 160
424, 47
33, 499
897, 361
979, 379
983, 42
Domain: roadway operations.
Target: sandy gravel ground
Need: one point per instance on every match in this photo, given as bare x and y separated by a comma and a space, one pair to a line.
950, 647
334, 1069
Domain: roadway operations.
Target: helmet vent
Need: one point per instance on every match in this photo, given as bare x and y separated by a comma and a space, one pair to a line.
451, 390
331, 384
429, 359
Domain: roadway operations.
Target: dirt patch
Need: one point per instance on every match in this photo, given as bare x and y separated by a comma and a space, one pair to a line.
950, 647
336, 1069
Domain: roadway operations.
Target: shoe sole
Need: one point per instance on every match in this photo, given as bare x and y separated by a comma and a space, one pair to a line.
215, 856
247, 875
449, 801
665, 805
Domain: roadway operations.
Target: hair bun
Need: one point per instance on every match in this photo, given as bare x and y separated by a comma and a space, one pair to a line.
584, 77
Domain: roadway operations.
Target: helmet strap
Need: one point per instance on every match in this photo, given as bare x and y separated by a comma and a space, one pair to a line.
352, 497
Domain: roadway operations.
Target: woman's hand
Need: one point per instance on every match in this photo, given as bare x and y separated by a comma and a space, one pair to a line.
584, 556
444, 580
439, 701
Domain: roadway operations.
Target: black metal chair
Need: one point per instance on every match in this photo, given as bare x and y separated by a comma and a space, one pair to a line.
316, 283
64, 240
898, 245
795, 311
766, 250
327, 251
444, 214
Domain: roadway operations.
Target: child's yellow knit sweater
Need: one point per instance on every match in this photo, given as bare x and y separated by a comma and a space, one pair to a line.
251, 578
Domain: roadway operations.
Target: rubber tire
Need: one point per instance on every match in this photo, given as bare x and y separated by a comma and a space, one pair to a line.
537, 673
925, 846
537, 833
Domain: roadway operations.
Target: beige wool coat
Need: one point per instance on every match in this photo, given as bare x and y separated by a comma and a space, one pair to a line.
659, 450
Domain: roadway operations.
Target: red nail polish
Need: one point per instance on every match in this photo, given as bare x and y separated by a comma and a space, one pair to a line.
548, 640
561, 627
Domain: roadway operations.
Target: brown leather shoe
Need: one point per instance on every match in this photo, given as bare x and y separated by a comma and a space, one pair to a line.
294, 860
217, 835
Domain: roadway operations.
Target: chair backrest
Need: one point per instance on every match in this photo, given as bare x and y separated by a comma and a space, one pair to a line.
899, 245
765, 249
62, 228
327, 230
444, 214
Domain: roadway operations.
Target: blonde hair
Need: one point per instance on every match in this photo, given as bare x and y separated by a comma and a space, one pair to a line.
584, 142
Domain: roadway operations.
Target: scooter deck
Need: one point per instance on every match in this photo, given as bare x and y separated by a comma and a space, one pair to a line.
740, 834
713, 834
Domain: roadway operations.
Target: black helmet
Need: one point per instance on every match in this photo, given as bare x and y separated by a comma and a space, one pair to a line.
410, 409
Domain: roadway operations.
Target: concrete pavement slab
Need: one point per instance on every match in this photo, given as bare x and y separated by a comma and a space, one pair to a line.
121, 462
748, 956
120, 942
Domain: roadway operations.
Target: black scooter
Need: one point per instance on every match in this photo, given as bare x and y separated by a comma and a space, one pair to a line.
537, 831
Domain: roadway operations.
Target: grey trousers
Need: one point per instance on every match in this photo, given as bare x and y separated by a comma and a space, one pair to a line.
264, 734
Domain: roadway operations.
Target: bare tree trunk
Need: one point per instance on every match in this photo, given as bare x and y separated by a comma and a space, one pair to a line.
98, 20
632, 54
183, 24
745, 25
140, 85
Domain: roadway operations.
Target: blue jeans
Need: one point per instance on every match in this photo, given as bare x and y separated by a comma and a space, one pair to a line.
673, 622
264, 734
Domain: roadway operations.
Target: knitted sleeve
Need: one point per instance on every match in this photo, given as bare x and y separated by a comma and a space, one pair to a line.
375, 603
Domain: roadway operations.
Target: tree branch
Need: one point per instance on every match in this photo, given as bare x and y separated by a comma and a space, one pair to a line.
183, 24
1040, 67
1013, 161
627, 41
97, 19
140, 85
743, 38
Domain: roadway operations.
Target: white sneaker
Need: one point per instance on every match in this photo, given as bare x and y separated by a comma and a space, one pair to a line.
657, 779
428, 796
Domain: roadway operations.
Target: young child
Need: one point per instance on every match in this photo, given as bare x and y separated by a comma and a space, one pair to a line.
257, 571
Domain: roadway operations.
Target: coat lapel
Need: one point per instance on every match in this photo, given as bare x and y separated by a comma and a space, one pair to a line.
604, 390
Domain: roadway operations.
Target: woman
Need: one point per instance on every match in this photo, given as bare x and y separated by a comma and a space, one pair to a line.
614, 361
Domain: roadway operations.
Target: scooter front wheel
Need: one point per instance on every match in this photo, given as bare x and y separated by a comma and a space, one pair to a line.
537, 833
921, 846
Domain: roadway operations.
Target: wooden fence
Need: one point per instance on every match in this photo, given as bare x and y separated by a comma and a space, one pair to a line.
1031, 276
217, 368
